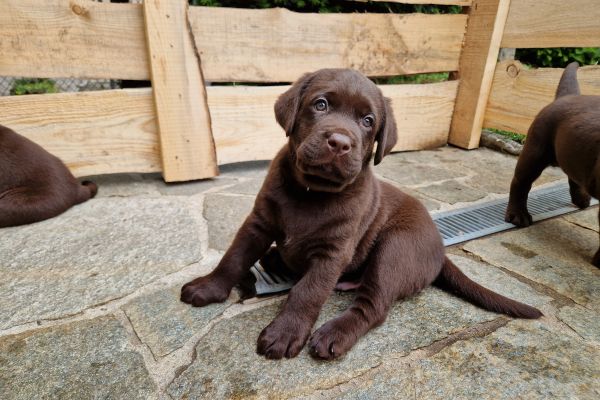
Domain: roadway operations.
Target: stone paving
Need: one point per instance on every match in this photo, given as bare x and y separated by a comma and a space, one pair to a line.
90, 305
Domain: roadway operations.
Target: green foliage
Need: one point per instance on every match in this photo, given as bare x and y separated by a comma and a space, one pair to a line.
416, 78
325, 6
517, 137
559, 57
33, 86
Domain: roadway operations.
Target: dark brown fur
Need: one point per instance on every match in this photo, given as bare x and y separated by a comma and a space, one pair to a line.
332, 219
34, 185
565, 133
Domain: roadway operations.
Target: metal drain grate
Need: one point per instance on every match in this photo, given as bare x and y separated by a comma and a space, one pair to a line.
457, 226
460, 225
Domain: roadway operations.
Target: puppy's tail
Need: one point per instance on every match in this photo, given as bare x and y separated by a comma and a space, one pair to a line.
453, 280
568, 81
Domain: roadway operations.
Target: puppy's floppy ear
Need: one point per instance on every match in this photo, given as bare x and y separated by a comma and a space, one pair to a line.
387, 136
288, 103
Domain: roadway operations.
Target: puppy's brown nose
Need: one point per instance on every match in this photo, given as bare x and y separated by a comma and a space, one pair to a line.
339, 144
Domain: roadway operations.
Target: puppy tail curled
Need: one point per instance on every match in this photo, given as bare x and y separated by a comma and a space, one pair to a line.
568, 81
453, 280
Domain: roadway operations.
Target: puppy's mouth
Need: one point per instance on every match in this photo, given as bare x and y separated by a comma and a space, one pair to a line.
317, 179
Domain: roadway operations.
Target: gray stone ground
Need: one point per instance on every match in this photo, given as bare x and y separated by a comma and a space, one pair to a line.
89, 300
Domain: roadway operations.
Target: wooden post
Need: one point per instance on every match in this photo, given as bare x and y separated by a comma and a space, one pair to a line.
186, 141
485, 27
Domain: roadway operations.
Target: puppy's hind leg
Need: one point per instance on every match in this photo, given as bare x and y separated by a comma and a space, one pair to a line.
22, 206
537, 154
395, 270
579, 196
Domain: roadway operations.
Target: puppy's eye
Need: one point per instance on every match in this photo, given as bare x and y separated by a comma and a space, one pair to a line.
321, 105
368, 121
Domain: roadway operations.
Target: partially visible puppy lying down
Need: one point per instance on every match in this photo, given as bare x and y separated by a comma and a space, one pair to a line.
336, 225
34, 184
566, 133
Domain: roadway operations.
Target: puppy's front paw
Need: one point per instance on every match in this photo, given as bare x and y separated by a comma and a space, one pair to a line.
519, 217
331, 341
282, 338
204, 290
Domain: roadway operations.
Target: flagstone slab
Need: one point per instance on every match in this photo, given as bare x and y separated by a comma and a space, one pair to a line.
164, 323
587, 218
523, 360
451, 192
81, 360
96, 252
554, 253
582, 320
225, 214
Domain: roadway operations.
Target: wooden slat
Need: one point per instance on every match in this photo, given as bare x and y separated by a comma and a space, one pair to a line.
440, 2
518, 94
72, 38
187, 146
83, 38
477, 63
245, 129
552, 23
92, 132
277, 45
115, 131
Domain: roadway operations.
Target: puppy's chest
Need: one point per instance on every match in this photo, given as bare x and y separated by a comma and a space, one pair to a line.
304, 236
302, 233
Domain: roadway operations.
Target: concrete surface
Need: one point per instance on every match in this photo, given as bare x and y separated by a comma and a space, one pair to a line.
89, 300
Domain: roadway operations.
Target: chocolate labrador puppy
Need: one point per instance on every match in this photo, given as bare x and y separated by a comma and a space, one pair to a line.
34, 185
565, 133
336, 224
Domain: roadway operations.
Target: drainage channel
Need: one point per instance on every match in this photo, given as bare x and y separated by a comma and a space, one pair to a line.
460, 225
472, 222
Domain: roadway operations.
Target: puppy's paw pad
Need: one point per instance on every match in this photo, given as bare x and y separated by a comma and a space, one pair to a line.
330, 341
204, 291
520, 218
280, 340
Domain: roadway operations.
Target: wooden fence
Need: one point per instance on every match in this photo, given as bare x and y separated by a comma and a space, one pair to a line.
184, 129
517, 93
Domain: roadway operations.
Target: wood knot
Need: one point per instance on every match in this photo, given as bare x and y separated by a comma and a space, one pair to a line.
79, 10
512, 70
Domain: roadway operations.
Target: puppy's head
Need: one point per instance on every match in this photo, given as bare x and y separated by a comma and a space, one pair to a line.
333, 118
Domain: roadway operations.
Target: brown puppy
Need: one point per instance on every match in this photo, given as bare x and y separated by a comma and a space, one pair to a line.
565, 133
331, 219
34, 185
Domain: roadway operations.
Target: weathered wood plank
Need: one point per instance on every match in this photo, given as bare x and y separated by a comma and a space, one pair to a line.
72, 38
115, 131
245, 129
477, 63
518, 94
187, 146
277, 45
552, 23
92, 132
82, 38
